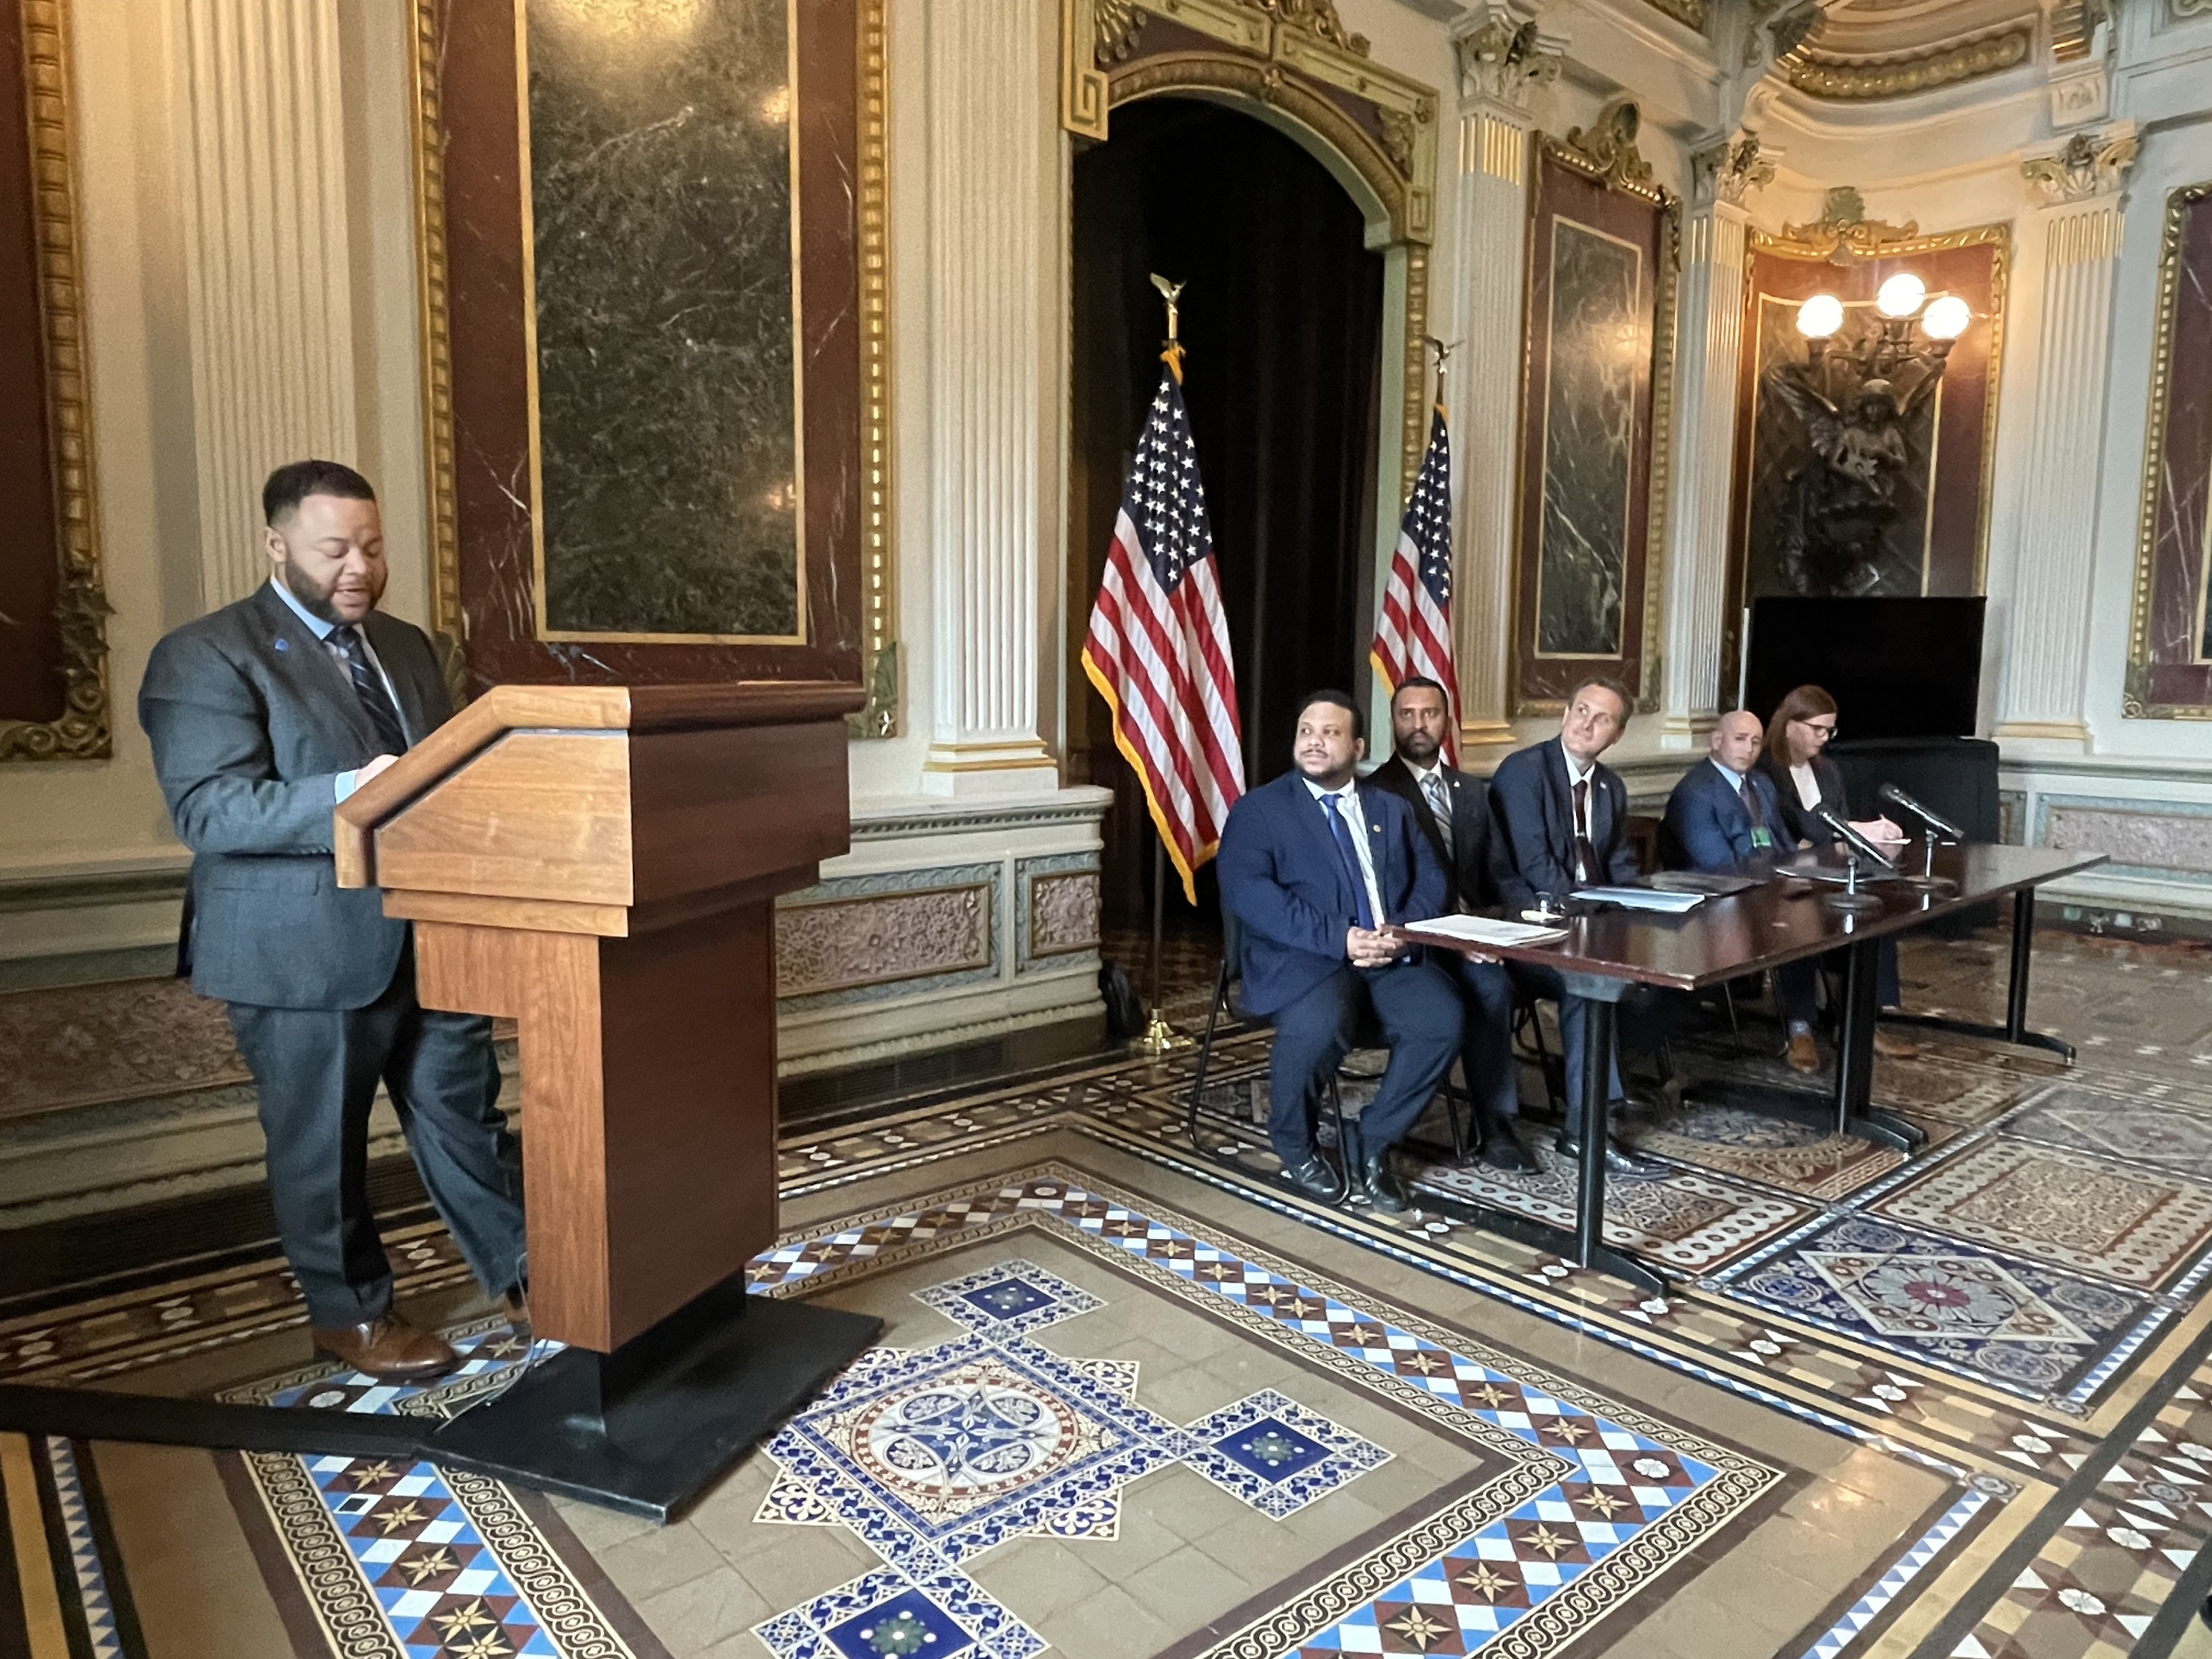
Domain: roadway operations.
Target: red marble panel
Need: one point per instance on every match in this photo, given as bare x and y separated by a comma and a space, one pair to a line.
2169, 665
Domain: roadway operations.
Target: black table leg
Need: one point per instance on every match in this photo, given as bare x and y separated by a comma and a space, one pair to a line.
1587, 1246
1855, 1112
2015, 1029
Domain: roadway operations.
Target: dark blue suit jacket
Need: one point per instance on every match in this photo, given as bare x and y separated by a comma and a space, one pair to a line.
1284, 881
1708, 825
1532, 849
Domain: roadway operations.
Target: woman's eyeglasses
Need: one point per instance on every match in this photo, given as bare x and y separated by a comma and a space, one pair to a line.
1824, 732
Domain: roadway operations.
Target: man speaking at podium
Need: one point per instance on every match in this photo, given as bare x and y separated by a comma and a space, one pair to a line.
264, 716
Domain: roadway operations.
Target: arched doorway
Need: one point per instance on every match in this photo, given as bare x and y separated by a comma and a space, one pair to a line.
1283, 320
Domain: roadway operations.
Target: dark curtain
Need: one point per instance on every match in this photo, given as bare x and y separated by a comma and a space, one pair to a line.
1282, 326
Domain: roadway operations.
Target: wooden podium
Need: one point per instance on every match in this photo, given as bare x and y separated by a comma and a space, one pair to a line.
601, 864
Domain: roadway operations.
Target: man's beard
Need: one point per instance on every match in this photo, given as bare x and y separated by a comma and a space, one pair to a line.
1420, 748
316, 601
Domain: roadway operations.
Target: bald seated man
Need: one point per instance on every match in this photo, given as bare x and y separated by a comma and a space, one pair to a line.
1724, 813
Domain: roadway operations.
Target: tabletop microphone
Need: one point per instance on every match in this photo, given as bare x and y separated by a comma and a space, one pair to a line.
1857, 842
1935, 821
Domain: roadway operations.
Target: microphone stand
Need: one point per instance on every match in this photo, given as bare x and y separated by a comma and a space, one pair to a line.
1850, 897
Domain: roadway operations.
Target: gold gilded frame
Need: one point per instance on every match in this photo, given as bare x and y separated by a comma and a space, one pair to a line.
2132, 706
1620, 167
1261, 40
872, 195
82, 731
1865, 241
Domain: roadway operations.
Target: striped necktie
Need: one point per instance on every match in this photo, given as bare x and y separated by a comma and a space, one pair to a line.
1439, 807
368, 686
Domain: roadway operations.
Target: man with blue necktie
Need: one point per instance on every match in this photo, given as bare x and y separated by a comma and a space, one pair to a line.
1314, 866
264, 716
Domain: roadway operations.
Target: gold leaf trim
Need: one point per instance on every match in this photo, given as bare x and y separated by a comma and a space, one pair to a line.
80, 611
2134, 704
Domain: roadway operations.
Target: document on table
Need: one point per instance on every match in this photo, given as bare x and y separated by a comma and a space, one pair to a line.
1484, 930
1642, 898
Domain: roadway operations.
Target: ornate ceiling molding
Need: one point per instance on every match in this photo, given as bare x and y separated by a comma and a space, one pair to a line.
2086, 166
1690, 14
1822, 73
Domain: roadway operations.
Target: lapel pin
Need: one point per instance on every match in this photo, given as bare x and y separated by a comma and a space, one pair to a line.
283, 645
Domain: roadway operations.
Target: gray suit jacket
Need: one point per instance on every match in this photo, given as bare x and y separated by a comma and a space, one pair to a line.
252, 719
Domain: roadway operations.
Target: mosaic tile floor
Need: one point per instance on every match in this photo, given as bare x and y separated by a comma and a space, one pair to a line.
1134, 1400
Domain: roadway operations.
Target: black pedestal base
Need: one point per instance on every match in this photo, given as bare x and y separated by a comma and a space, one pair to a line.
645, 1431
646, 1435
1598, 1257
1969, 1028
1876, 1123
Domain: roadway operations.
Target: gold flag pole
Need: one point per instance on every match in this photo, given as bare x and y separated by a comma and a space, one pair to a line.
1160, 1037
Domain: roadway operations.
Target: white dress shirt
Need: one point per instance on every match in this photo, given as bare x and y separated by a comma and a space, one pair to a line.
1734, 777
1347, 808
323, 629
1809, 787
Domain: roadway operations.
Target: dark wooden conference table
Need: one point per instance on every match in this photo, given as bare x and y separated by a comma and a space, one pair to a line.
1782, 920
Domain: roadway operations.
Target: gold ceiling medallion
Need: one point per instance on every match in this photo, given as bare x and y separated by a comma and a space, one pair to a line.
1843, 231
1606, 150
80, 611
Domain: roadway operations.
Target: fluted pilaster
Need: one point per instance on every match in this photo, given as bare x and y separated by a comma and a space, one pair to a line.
269, 296
2046, 640
1501, 64
995, 164
1708, 335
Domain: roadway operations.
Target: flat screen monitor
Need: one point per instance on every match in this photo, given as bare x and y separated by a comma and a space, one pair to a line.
1897, 668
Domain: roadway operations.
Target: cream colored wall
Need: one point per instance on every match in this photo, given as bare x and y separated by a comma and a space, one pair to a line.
156, 439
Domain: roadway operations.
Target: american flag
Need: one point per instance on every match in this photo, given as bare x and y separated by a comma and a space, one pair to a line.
1414, 636
1159, 648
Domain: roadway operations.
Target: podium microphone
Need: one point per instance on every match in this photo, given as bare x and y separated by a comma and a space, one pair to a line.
1857, 842
1935, 821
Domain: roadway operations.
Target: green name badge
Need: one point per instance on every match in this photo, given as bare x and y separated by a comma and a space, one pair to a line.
1761, 835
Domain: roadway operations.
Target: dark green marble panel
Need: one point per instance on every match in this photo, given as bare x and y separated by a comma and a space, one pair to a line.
660, 178
1598, 348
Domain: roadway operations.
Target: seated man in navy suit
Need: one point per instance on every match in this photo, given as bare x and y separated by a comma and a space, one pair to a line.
1723, 814
1559, 821
1314, 865
1452, 812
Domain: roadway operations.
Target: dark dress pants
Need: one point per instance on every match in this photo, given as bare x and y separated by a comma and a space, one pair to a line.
1486, 1054
317, 1069
1794, 981
1639, 1020
1417, 1008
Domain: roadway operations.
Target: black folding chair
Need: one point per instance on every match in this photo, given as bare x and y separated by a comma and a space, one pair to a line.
1458, 1108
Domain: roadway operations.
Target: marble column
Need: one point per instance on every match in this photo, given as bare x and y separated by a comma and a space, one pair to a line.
995, 168
1502, 64
261, 156
1709, 352
2078, 228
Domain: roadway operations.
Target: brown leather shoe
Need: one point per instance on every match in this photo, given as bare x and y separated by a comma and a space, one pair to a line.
1802, 1054
388, 1349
